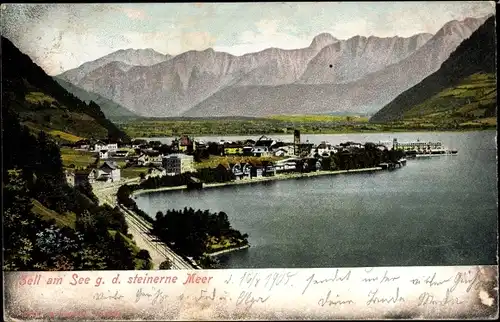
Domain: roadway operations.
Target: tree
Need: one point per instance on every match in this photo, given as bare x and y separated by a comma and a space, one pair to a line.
146, 265
18, 223
91, 258
142, 175
166, 264
86, 189
197, 156
143, 254
208, 262
121, 256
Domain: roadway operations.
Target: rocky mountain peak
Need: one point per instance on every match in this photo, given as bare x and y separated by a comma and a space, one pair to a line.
322, 40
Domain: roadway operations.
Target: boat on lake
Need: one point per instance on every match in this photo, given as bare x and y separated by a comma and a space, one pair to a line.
435, 153
418, 149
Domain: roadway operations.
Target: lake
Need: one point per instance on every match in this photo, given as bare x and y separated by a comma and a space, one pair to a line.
434, 211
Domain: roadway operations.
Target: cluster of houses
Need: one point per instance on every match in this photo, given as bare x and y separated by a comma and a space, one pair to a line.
178, 157
255, 169
109, 171
265, 147
104, 148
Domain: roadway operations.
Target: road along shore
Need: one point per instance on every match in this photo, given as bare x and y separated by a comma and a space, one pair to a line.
259, 179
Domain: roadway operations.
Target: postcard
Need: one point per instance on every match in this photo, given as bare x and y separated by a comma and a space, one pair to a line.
249, 161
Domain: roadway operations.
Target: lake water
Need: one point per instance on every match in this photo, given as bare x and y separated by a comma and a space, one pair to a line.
434, 211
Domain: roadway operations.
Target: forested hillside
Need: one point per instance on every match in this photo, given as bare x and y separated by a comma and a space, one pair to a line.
42, 104
49, 225
112, 110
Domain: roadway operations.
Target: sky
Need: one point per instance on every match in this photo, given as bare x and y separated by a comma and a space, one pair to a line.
59, 37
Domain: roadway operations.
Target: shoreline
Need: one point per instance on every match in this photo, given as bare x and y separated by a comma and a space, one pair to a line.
229, 250
248, 181
145, 223
277, 177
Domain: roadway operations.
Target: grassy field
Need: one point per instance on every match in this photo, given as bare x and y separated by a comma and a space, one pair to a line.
66, 220
40, 111
472, 103
244, 126
133, 172
435, 116
65, 136
79, 159
214, 160
318, 118
215, 244
39, 98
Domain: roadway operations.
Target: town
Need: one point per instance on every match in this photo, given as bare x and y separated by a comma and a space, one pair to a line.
242, 160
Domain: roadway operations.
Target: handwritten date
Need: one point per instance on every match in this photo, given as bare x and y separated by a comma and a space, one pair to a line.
254, 280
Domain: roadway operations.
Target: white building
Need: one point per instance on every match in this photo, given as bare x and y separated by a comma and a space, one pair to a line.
261, 151
103, 154
151, 157
178, 163
325, 149
109, 171
156, 172
111, 147
70, 178
121, 153
284, 151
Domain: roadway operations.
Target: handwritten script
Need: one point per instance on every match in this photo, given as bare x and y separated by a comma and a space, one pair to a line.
317, 293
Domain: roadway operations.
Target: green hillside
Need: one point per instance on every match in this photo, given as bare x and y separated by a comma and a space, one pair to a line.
461, 94
111, 110
470, 103
42, 104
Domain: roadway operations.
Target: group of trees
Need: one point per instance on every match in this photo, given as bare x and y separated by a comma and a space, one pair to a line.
212, 175
204, 154
189, 231
357, 158
33, 171
207, 175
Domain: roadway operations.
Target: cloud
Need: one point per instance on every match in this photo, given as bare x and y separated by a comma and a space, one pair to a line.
350, 29
134, 14
63, 36
196, 40
65, 50
266, 36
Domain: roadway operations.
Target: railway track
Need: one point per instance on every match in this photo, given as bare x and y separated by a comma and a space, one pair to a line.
142, 228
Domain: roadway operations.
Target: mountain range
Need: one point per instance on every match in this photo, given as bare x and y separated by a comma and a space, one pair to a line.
112, 110
357, 75
463, 88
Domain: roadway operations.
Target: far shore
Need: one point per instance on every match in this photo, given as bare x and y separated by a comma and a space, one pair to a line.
256, 180
492, 128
